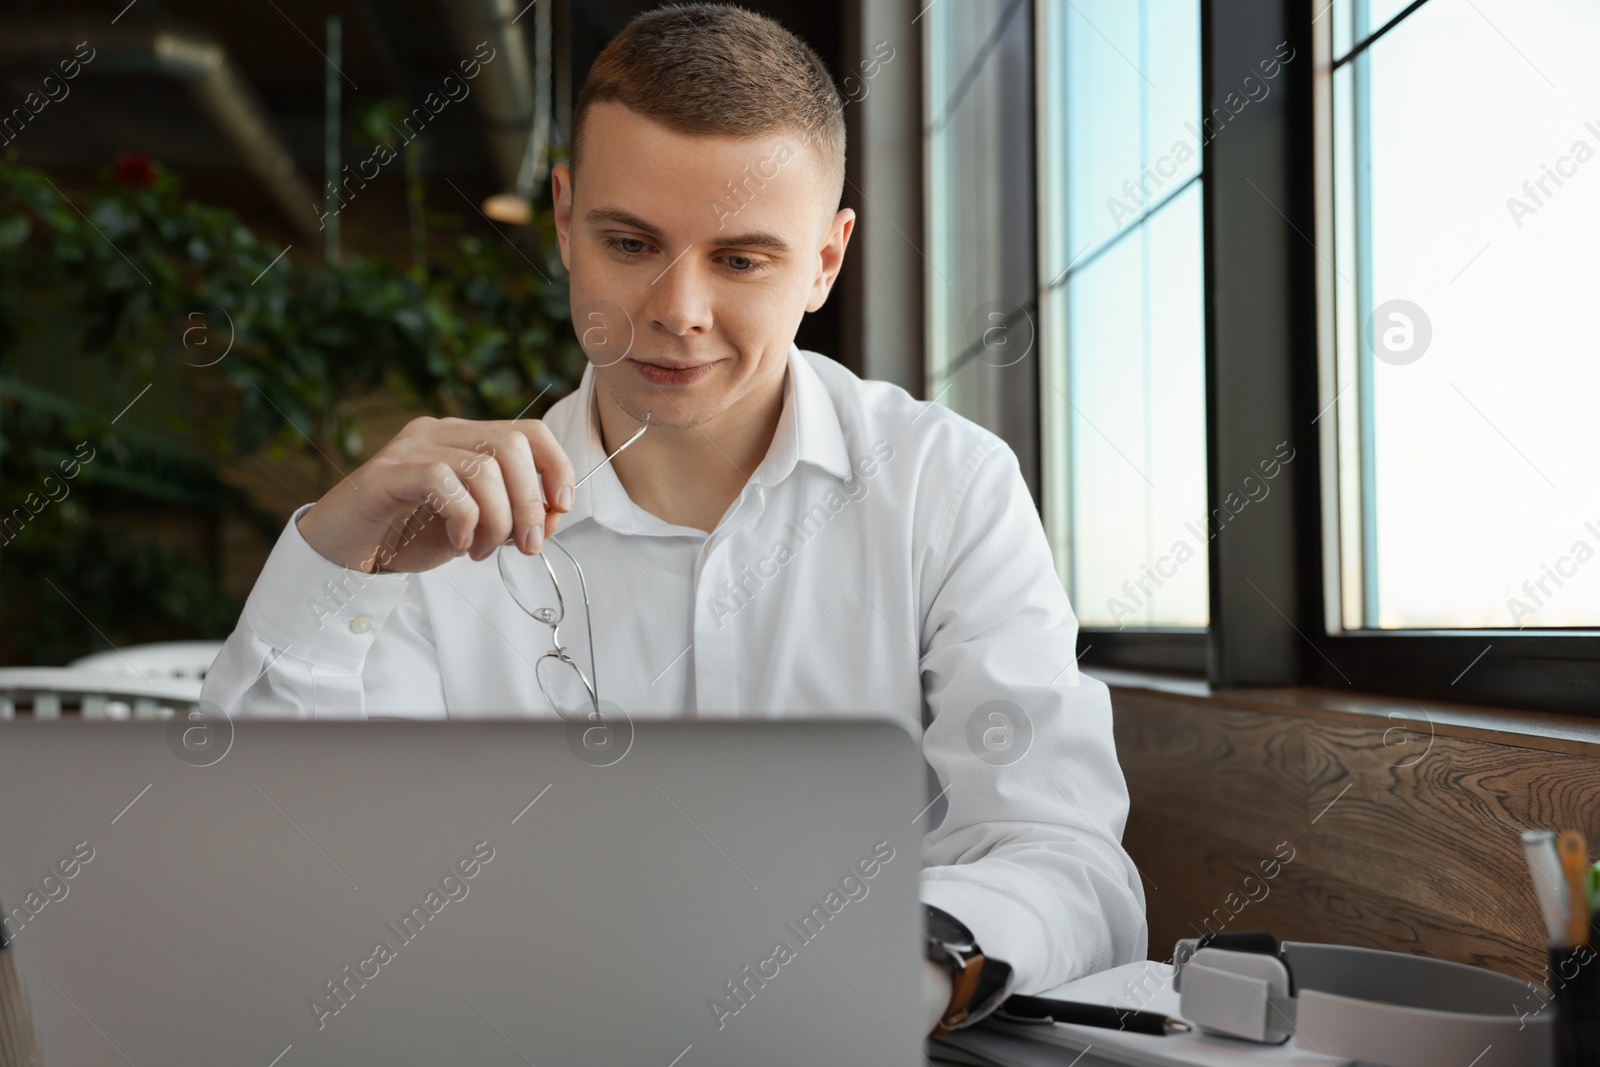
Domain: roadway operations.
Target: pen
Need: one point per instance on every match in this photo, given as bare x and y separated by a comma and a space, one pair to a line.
1575, 863
1024, 1009
1549, 882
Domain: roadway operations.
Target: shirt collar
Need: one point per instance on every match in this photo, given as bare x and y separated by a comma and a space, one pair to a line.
808, 427
808, 431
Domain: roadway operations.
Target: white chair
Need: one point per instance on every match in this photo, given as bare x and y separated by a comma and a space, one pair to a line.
156, 661
97, 694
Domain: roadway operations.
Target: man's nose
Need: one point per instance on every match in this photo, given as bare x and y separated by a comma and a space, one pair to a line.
679, 300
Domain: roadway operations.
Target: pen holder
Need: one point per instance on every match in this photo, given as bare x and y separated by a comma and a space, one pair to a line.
1575, 996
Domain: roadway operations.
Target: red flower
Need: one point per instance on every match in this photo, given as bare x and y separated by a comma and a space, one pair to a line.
135, 170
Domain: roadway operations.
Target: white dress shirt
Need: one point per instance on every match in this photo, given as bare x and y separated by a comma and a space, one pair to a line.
885, 557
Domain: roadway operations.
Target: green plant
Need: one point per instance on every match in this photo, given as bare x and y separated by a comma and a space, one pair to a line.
112, 283
479, 334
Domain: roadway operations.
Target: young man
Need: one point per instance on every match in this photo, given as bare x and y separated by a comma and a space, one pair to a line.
785, 539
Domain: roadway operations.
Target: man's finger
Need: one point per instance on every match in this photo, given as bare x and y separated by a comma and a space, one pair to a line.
549, 458
555, 470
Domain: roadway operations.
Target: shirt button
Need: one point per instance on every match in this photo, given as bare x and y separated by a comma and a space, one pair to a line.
708, 546
360, 624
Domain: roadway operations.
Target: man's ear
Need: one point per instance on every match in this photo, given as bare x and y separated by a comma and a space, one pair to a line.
561, 195
831, 257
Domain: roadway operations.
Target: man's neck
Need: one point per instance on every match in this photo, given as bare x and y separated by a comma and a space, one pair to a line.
688, 476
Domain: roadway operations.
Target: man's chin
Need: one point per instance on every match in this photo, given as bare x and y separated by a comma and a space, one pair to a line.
677, 409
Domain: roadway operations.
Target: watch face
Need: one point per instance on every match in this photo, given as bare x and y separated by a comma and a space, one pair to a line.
945, 928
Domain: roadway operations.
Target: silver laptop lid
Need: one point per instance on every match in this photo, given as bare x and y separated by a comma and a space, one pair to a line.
395, 892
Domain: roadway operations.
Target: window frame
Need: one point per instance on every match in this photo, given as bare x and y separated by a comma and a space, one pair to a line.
1550, 670
1268, 378
1156, 648
1017, 395
1290, 637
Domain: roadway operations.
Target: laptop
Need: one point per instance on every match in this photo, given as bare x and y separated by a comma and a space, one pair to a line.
490, 892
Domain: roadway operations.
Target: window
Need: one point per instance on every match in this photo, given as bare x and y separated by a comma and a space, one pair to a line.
1080, 339
1121, 319
1464, 363
1379, 255
978, 162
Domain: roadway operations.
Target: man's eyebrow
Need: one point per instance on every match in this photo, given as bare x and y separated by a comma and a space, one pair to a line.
601, 215
758, 239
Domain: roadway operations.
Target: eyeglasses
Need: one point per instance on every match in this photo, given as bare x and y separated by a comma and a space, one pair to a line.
561, 680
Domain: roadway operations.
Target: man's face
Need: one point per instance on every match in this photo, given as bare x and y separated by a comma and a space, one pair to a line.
686, 290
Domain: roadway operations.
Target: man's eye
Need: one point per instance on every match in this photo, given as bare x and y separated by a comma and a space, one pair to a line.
628, 246
744, 264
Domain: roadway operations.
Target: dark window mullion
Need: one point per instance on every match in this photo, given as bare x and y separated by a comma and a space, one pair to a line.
1373, 38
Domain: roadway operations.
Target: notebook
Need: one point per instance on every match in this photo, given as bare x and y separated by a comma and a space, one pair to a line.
1145, 985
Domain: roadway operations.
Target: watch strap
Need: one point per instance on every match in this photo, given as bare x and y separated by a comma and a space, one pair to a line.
963, 984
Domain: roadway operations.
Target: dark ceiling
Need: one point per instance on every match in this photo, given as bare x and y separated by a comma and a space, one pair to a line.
396, 49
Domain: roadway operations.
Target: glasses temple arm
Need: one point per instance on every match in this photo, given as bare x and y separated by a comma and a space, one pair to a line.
588, 615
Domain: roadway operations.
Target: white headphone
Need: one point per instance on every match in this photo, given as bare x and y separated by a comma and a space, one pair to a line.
1358, 1003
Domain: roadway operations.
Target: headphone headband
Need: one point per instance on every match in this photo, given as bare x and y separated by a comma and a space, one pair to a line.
1358, 1003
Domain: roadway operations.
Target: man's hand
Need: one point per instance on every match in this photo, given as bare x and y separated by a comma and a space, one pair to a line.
936, 989
442, 487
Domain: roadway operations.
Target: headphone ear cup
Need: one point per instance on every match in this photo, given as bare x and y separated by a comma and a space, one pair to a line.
1257, 941
1238, 994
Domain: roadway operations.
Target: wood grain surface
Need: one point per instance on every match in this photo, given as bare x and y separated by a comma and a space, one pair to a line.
1403, 836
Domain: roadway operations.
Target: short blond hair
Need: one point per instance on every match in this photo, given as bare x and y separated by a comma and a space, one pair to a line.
718, 69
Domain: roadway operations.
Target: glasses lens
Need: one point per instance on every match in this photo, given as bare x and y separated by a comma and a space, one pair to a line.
530, 582
563, 686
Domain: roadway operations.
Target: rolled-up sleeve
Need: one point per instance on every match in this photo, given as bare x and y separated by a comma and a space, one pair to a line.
1028, 854
314, 638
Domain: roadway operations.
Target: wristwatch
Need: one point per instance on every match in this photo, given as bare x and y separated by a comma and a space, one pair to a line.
974, 978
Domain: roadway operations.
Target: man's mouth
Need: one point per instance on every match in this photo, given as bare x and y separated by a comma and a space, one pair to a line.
671, 373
